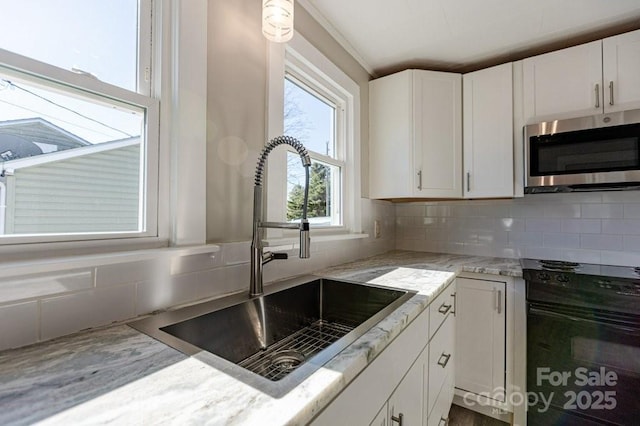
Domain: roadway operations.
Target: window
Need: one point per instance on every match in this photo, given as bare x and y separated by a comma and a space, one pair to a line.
314, 101
78, 124
311, 118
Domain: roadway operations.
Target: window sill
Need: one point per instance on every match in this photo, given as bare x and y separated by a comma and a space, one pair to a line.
17, 268
291, 243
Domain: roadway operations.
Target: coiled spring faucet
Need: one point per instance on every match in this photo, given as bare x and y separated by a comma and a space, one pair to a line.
258, 257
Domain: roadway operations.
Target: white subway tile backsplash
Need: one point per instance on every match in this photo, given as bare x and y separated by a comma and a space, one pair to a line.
632, 211
621, 197
581, 226
562, 210
70, 313
543, 253
543, 225
131, 272
560, 240
438, 210
621, 226
601, 242
511, 224
601, 211
18, 325
525, 239
235, 253
410, 210
195, 262
44, 285
631, 243
527, 210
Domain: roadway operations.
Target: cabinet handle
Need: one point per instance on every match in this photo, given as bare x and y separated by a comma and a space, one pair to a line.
444, 308
446, 357
597, 95
454, 303
397, 419
420, 180
444, 421
468, 182
611, 93
498, 300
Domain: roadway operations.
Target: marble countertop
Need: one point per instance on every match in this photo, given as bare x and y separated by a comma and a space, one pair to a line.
117, 375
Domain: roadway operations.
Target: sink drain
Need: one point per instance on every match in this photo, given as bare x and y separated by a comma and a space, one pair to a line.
286, 361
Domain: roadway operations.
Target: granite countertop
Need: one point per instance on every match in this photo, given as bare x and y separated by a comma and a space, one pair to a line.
117, 375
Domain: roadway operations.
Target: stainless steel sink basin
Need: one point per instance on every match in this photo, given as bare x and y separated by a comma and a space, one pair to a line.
298, 325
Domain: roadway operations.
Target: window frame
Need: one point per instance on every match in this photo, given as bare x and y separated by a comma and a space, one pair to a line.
307, 64
67, 81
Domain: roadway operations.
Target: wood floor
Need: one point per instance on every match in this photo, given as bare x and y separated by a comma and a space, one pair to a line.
459, 416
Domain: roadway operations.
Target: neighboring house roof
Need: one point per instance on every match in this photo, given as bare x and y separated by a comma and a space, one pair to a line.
30, 132
69, 153
13, 147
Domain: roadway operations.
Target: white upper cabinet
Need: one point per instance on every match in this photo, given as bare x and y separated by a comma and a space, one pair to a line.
621, 71
598, 77
563, 84
488, 132
415, 121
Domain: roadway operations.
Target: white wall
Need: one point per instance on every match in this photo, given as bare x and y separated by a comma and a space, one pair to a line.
595, 227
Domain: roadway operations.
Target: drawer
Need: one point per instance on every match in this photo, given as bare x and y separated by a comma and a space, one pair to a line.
440, 308
440, 414
441, 359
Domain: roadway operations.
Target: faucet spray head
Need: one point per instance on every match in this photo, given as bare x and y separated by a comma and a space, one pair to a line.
305, 240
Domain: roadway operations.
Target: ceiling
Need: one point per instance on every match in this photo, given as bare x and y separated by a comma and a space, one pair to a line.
462, 35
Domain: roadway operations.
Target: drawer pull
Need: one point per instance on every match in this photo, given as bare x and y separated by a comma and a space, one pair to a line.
444, 308
444, 421
444, 363
397, 419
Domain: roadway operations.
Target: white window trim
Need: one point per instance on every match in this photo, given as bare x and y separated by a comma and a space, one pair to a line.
179, 158
302, 55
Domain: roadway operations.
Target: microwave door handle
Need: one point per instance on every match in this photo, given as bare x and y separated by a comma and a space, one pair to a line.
574, 318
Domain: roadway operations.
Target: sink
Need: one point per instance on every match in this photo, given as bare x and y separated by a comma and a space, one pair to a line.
298, 325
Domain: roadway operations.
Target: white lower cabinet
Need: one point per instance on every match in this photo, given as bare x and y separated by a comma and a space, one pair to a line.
481, 337
487, 344
395, 389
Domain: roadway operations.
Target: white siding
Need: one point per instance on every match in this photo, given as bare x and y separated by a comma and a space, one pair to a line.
97, 192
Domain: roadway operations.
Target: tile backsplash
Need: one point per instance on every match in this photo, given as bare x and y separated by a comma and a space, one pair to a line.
38, 307
596, 227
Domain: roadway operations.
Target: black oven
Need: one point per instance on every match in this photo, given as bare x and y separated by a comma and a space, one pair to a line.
582, 153
583, 344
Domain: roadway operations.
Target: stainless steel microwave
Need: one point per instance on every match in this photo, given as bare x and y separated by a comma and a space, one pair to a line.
601, 152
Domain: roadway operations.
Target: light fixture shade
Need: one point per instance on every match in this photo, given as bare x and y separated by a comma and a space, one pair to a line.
277, 20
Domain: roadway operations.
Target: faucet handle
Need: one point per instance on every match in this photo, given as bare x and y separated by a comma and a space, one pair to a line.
280, 256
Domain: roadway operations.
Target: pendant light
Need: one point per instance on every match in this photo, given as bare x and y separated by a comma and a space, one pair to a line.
277, 20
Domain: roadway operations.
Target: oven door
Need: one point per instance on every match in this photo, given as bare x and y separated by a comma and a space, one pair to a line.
583, 367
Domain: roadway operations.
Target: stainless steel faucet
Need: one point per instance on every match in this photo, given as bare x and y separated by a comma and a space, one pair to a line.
258, 256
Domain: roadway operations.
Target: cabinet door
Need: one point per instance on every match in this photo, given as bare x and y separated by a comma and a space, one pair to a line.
381, 417
408, 400
391, 136
563, 84
480, 336
488, 132
438, 134
621, 70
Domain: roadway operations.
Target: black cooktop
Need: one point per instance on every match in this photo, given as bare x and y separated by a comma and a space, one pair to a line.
605, 271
